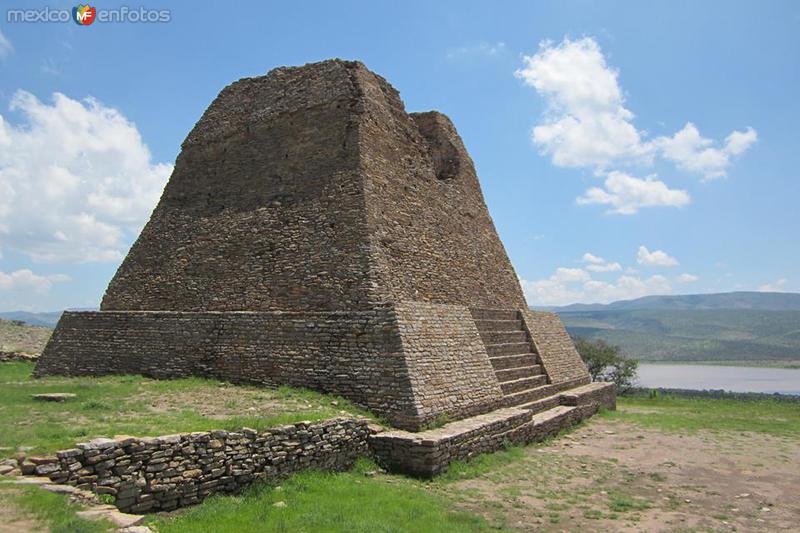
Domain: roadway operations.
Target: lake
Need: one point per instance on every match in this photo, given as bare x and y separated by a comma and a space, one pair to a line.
730, 378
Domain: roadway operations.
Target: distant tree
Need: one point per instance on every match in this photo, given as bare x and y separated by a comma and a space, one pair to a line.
606, 364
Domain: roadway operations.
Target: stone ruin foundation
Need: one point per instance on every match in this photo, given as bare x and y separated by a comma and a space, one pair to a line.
315, 234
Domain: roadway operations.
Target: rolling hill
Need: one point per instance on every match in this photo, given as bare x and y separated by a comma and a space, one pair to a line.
738, 326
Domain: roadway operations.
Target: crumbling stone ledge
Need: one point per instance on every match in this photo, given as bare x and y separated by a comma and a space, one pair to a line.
13, 357
171, 471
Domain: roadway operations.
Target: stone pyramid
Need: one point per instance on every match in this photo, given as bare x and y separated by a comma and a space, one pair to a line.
314, 233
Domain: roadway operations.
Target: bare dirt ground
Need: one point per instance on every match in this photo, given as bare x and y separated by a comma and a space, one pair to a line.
614, 476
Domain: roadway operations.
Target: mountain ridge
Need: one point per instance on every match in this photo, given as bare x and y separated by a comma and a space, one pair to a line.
738, 300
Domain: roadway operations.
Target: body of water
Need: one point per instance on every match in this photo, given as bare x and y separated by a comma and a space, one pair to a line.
729, 378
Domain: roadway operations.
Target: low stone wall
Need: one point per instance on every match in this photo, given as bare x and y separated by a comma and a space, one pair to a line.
13, 357
164, 473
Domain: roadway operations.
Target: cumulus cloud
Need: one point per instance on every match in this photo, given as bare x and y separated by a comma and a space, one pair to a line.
775, 286
5, 46
587, 124
26, 280
557, 291
655, 258
598, 264
694, 153
76, 180
625, 194
571, 285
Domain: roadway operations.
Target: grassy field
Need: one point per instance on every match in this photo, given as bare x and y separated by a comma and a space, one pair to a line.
578, 481
690, 415
22, 338
133, 405
316, 501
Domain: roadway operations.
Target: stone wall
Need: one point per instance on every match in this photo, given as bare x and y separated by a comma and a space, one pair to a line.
364, 356
167, 472
447, 362
431, 235
560, 359
312, 189
265, 207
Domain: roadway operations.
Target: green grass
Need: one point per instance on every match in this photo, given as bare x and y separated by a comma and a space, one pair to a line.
621, 503
679, 414
134, 405
51, 510
316, 501
481, 464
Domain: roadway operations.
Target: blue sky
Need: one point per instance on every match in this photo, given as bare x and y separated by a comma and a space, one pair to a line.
624, 148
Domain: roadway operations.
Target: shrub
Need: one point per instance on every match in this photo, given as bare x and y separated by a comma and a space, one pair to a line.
606, 364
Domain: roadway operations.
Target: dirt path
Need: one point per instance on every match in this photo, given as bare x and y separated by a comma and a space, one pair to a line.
613, 476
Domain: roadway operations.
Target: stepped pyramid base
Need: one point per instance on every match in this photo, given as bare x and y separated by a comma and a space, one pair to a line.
428, 453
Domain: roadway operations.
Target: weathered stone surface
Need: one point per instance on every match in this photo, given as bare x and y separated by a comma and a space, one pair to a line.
9, 357
315, 234
53, 396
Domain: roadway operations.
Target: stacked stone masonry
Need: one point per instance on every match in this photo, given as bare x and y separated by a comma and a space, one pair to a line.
167, 472
411, 363
313, 233
429, 453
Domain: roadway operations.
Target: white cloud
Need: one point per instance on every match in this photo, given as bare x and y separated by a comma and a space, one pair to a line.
76, 180
554, 291
598, 264
563, 275
480, 49
5, 46
627, 194
775, 286
687, 278
586, 124
26, 280
694, 153
655, 258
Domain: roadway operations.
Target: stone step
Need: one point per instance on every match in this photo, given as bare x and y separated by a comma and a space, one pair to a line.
518, 372
523, 384
495, 314
499, 325
529, 395
507, 362
543, 404
508, 348
503, 337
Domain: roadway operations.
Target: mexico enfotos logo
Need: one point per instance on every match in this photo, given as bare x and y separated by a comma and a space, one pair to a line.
85, 15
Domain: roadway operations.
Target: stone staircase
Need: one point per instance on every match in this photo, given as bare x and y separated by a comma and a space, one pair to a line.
534, 408
513, 356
